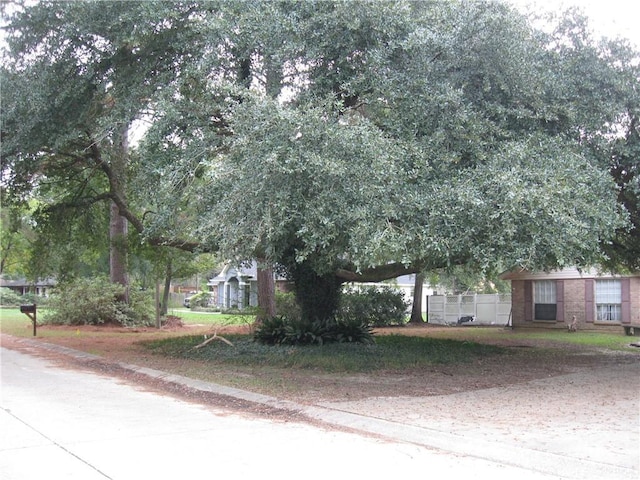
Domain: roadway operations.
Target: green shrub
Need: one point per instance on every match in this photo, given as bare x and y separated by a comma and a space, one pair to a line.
140, 311
93, 301
33, 298
377, 306
246, 311
352, 329
287, 306
298, 332
357, 314
272, 331
10, 298
201, 300
283, 330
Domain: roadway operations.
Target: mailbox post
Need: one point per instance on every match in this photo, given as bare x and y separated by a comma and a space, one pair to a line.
30, 311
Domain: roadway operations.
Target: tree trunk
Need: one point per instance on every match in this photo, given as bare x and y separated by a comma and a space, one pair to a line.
416, 309
118, 226
164, 307
266, 291
266, 281
5, 254
118, 250
317, 295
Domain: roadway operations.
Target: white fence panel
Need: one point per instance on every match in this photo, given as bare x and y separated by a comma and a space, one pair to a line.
485, 309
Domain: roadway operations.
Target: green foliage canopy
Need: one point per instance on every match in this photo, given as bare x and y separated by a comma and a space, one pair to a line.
359, 140
419, 138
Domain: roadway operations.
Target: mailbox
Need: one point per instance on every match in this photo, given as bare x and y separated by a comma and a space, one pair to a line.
30, 311
28, 308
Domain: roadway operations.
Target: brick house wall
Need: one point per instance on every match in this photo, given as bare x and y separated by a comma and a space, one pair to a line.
574, 297
634, 298
517, 302
574, 300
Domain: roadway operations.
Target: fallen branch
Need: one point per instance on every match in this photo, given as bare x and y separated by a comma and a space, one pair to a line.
209, 340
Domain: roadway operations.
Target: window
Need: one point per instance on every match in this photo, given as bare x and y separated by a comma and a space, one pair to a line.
544, 300
608, 300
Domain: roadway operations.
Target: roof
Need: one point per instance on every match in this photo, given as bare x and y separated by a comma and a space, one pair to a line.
562, 274
23, 282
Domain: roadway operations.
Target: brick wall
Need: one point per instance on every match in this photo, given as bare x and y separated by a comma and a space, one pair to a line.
574, 300
634, 292
517, 302
574, 304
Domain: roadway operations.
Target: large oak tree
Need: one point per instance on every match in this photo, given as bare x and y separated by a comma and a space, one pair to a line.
343, 141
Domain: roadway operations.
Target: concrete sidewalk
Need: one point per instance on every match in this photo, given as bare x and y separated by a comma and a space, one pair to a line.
61, 412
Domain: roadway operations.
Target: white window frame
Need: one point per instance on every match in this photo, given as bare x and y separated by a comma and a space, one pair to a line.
545, 293
608, 302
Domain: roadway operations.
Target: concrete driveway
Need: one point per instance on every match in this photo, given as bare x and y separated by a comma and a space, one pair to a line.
61, 423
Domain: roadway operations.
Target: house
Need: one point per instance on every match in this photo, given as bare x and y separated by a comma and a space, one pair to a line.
597, 300
21, 286
237, 287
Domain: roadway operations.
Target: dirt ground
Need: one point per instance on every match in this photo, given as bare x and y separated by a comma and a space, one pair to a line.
519, 365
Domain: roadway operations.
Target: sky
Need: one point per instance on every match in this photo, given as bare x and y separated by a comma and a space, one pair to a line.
610, 18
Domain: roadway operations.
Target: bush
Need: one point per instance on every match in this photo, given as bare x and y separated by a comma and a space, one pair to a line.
287, 306
282, 330
201, 300
351, 329
10, 298
357, 314
272, 331
377, 306
94, 302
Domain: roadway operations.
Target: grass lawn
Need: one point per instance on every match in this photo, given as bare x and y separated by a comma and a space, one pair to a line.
208, 318
606, 340
13, 322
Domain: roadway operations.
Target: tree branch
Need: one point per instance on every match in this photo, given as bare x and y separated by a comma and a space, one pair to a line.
79, 203
116, 197
114, 193
180, 244
379, 273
